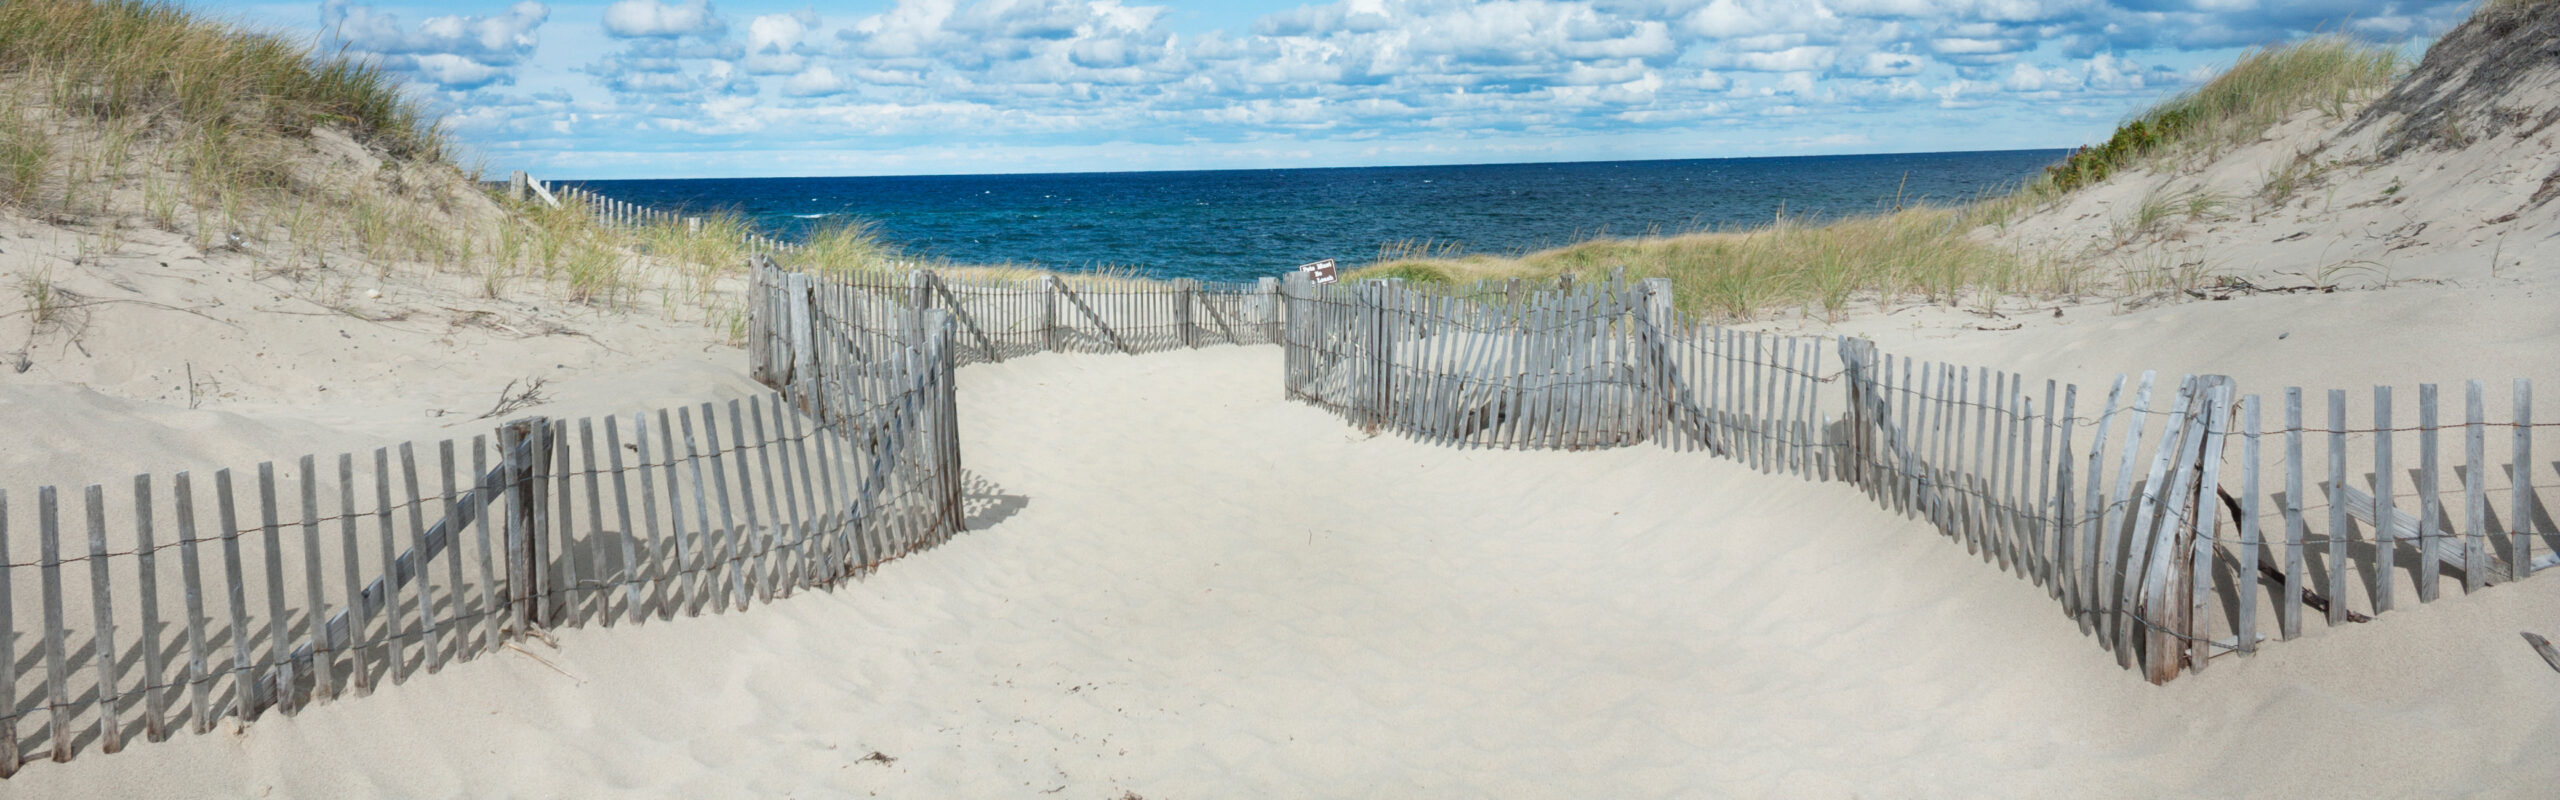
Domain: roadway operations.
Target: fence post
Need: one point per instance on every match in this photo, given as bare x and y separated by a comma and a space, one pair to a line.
516, 185
1049, 312
919, 300
526, 447
800, 302
759, 326
1184, 290
693, 224
1655, 377
1270, 289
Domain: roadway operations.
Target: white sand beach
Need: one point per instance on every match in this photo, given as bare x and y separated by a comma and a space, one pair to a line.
1179, 585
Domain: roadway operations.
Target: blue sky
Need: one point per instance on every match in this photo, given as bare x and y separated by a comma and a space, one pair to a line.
694, 88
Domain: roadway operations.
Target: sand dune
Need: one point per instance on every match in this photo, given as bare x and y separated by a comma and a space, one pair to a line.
1179, 585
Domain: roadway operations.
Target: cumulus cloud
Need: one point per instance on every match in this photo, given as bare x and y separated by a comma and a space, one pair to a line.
633, 19
454, 51
1108, 70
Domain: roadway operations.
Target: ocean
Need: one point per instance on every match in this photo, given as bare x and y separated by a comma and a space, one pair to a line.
1233, 225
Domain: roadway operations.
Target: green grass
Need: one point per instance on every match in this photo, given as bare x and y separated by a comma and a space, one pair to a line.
135, 59
2266, 86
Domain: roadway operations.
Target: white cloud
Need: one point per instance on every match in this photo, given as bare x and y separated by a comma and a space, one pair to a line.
632, 19
454, 51
815, 82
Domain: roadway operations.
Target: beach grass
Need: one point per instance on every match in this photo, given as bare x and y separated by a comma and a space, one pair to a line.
1827, 268
1929, 252
2267, 85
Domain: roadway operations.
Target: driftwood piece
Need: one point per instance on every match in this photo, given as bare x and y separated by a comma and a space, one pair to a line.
2543, 646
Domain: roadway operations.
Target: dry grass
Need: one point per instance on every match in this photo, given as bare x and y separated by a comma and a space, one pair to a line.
1912, 254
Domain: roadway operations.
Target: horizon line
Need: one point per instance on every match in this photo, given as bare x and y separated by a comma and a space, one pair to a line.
1313, 168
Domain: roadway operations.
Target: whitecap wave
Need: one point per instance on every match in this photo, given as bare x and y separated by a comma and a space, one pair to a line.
812, 216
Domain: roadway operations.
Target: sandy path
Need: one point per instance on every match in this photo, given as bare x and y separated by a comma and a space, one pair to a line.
1182, 587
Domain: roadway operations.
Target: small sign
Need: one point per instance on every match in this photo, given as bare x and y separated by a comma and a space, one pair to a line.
1320, 272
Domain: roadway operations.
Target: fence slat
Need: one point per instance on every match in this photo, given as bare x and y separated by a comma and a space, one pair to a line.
324, 678
360, 619
57, 673
199, 676
2520, 476
490, 609
2475, 497
2245, 582
395, 651
279, 615
9, 759
2386, 558
452, 544
2294, 526
601, 581
2337, 538
2429, 509
102, 606
155, 721
431, 639
630, 573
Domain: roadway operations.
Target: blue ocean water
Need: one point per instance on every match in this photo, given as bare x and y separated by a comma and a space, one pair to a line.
1239, 224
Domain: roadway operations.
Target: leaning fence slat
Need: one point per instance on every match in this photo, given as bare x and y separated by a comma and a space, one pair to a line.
565, 589
360, 619
756, 539
2139, 541
395, 655
452, 544
431, 639
629, 575
720, 547
693, 554
102, 606
597, 576
480, 501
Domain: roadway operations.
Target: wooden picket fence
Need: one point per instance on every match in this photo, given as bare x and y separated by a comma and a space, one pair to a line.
995, 319
306, 584
1599, 365
2167, 546
620, 214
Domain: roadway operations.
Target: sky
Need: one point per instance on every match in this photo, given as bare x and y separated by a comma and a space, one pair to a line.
694, 88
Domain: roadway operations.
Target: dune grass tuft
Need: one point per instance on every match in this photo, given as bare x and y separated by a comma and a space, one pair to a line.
138, 59
2266, 86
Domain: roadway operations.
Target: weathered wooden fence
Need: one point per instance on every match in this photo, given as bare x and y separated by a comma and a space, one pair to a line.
2168, 539
132, 613
617, 213
802, 318
1599, 365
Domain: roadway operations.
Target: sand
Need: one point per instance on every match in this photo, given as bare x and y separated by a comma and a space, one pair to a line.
1179, 585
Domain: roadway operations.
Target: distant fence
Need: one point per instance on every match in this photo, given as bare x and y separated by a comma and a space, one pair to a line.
802, 319
2169, 545
616, 213
1600, 365
131, 614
